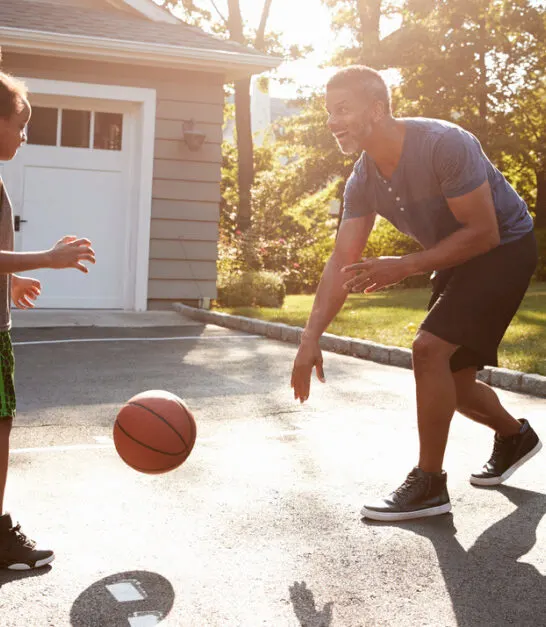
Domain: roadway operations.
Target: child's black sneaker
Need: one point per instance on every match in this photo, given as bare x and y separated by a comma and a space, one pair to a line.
17, 552
509, 453
422, 494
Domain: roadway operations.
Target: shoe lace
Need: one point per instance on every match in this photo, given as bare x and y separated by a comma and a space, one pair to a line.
500, 447
21, 538
407, 486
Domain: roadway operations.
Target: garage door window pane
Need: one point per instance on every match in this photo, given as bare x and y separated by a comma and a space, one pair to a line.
42, 128
75, 128
108, 131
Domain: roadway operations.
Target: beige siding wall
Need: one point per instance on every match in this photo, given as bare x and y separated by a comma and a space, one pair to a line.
186, 185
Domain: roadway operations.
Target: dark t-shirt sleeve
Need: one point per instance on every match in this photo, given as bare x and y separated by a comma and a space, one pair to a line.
355, 202
459, 163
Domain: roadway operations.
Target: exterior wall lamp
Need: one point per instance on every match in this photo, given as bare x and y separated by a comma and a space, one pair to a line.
194, 139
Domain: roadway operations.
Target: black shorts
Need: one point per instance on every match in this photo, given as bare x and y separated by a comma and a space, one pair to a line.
473, 304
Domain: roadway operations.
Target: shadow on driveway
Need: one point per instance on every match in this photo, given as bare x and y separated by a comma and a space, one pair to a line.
487, 584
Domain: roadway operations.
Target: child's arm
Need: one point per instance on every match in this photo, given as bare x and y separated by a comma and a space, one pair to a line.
69, 252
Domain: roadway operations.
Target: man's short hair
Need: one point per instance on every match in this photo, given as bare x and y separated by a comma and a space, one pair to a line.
12, 93
366, 81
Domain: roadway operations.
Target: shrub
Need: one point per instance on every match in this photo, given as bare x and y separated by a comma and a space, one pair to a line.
251, 289
293, 242
387, 241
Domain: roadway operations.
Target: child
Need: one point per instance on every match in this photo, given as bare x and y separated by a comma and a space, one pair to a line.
18, 552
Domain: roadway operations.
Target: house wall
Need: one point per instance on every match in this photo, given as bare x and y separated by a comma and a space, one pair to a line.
186, 184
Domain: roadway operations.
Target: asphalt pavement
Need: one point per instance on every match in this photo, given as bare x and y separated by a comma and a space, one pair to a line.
261, 525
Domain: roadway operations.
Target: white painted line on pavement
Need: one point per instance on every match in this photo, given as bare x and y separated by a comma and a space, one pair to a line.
68, 447
109, 444
139, 339
103, 439
105, 442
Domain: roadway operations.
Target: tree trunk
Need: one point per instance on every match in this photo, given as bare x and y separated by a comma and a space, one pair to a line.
369, 12
245, 150
259, 44
243, 116
540, 207
482, 84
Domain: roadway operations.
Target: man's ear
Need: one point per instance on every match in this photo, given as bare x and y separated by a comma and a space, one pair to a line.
378, 111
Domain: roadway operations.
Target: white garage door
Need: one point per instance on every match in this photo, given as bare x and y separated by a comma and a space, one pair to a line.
73, 179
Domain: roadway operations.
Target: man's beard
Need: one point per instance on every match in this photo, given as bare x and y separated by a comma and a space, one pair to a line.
356, 141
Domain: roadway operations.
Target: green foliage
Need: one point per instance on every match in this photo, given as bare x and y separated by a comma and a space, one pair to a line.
213, 18
387, 241
483, 69
255, 289
480, 63
293, 241
311, 154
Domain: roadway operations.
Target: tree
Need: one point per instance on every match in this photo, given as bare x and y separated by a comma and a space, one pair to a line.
479, 63
243, 122
362, 20
233, 25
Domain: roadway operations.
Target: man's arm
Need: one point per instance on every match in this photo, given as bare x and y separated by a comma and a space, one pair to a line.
479, 234
351, 240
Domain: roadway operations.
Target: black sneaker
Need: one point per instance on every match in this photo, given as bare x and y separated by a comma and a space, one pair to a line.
422, 494
17, 552
509, 453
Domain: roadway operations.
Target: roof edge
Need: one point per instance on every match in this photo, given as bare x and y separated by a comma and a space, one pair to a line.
152, 11
234, 64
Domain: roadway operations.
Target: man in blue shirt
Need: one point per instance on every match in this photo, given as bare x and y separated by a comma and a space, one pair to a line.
432, 180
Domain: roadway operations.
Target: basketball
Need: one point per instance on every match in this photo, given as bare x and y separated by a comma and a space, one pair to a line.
154, 432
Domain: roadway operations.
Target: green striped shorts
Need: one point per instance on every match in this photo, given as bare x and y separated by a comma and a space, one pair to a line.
7, 383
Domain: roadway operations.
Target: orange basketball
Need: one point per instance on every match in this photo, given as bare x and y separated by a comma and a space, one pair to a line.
154, 432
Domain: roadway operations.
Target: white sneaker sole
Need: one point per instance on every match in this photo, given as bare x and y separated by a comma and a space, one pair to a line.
505, 475
39, 564
393, 516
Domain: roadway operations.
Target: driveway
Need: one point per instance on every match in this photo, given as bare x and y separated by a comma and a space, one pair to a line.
261, 525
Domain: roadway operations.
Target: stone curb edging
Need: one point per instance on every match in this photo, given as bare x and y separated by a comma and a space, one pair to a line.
512, 380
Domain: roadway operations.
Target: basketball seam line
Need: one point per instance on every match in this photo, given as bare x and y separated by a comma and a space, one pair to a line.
193, 426
162, 419
151, 448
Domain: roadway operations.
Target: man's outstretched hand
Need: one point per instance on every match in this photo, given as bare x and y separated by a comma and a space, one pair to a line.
309, 356
375, 273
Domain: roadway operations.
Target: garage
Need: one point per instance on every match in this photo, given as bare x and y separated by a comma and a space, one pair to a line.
125, 147
77, 176
73, 178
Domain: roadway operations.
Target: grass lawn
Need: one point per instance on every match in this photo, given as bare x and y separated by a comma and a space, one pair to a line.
392, 317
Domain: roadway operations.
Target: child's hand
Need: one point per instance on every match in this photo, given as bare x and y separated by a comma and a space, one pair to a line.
70, 252
24, 290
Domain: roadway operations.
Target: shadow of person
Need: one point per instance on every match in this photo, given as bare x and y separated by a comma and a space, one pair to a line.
487, 584
6, 575
305, 608
136, 598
